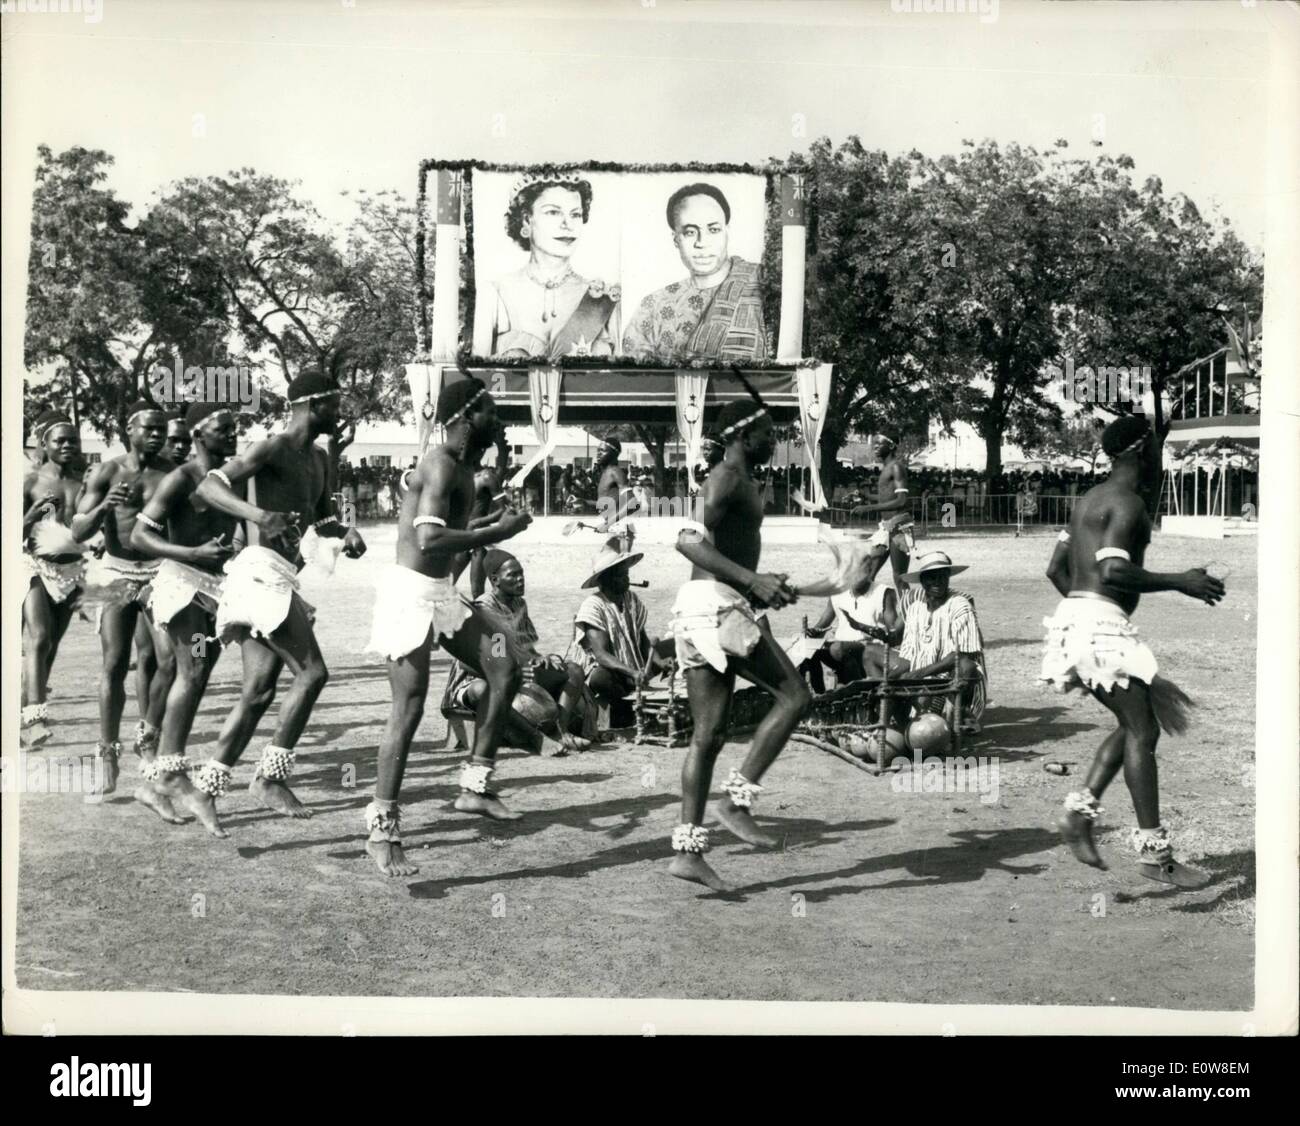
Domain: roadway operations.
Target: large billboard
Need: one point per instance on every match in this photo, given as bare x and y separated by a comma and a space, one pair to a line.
659, 267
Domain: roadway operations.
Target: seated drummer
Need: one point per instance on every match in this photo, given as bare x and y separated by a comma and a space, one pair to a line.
941, 630
569, 715
609, 636
865, 617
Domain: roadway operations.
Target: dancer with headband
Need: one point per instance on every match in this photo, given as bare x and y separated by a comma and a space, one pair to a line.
192, 540
118, 584
1097, 566
417, 608
718, 635
261, 607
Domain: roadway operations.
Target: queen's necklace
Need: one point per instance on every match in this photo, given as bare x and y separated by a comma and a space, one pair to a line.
550, 285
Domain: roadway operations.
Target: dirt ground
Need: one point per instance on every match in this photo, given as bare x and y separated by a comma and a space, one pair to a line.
877, 895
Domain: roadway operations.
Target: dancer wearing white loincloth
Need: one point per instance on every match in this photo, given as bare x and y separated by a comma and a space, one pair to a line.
192, 541
1092, 644
893, 506
417, 607
118, 584
54, 561
718, 635
287, 481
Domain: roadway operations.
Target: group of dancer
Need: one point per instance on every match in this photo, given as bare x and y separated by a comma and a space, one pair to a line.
206, 551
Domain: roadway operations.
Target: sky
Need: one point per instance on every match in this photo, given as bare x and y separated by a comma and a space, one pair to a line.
343, 95
349, 94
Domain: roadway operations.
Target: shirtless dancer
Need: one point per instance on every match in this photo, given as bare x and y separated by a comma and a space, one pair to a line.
615, 501
287, 491
417, 607
176, 449
193, 541
893, 506
487, 489
50, 493
119, 581
1091, 644
719, 635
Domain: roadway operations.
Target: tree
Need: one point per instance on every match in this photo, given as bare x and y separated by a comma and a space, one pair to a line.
871, 294
86, 316
1012, 231
377, 332
296, 297
1160, 278
1077, 437
268, 253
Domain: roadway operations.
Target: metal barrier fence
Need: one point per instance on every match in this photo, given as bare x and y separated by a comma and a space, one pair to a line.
959, 512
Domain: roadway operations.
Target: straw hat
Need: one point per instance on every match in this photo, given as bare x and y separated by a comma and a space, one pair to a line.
609, 557
933, 561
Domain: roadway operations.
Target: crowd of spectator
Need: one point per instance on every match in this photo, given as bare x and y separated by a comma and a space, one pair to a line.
374, 490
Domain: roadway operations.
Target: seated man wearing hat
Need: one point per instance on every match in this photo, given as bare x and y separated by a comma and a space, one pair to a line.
941, 631
610, 643
554, 703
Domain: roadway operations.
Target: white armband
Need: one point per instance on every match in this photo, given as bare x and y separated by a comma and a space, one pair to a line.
435, 520
148, 523
1063, 536
699, 529
220, 477
1112, 553
900, 490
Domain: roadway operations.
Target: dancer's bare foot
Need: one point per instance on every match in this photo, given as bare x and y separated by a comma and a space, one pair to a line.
1076, 831
109, 770
572, 742
487, 804
276, 795
692, 866
1175, 874
183, 792
390, 858
742, 824
35, 733
146, 795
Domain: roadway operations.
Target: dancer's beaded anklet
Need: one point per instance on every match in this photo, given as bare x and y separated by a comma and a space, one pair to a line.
690, 838
213, 778
741, 791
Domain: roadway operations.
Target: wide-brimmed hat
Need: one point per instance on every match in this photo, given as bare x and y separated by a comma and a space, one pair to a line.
933, 561
610, 556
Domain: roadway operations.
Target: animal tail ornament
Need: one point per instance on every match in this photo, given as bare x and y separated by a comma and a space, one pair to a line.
322, 552
52, 538
803, 502
848, 556
1172, 706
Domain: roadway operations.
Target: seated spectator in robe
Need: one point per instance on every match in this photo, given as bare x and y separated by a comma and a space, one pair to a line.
610, 642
